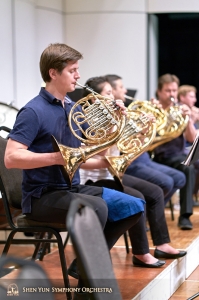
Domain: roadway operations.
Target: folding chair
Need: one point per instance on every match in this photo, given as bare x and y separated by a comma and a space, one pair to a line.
94, 262
10, 188
29, 275
4, 226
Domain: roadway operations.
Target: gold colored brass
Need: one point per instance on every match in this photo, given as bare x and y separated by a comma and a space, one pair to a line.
176, 124
170, 122
148, 107
104, 125
138, 134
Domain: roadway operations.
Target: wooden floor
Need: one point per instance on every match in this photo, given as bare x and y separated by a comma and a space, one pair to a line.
131, 279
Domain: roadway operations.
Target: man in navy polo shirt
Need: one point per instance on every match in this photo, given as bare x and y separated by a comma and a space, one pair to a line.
173, 153
45, 194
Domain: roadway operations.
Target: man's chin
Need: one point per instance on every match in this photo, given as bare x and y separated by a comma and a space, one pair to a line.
72, 88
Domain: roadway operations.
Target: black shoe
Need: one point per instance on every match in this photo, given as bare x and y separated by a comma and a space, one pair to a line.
139, 263
81, 296
40, 253
162, 254
72, 270
184, 223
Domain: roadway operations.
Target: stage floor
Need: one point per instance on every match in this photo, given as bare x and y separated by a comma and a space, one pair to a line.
133, 280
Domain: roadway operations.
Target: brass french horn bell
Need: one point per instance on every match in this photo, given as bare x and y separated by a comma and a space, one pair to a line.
104, 126
138, 134
175, 125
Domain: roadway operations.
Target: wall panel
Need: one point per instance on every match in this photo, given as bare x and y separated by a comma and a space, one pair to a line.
7, 72
111, 43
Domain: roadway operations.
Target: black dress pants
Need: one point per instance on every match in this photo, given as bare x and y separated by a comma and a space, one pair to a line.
186, 193
154, 198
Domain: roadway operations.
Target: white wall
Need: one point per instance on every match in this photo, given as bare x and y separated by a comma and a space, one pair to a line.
112, 35
24, 45
7, 72
172, 6
26, 28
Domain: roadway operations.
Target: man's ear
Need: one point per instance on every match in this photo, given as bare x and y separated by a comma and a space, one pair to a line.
53, 73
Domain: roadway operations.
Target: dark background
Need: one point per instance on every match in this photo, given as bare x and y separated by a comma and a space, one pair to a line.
178, 40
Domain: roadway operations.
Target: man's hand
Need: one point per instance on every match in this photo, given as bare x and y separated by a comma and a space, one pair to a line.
186, 111
195, 114
151, 117
120, 103
155, 102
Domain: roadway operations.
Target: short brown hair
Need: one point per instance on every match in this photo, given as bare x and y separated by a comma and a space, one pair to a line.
112, 78
184, 89
167, 78
56, 56
96, 83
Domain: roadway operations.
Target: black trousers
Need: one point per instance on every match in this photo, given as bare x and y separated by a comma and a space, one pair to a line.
53, 207
186, 193
154, 198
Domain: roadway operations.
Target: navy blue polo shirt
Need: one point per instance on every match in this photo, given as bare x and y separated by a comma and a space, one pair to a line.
40, 118
173, 148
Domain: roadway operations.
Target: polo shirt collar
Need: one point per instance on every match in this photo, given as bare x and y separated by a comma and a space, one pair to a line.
50, 98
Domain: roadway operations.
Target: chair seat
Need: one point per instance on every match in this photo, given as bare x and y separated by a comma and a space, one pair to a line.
23, 221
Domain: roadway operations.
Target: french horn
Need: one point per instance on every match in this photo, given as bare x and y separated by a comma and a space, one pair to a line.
138, 134
105, 124
148, 107
175, 125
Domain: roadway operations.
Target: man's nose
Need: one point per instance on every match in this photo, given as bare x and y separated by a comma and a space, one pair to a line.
77, 75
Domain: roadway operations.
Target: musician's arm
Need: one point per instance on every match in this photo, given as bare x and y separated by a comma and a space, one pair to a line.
18, 156
95, 163
190, 131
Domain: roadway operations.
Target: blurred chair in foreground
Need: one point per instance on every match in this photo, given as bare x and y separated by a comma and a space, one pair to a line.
29, 283
93, 257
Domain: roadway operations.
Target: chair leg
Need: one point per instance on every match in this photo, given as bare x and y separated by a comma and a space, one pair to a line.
126, 242
45, 246
8, 242
63, 265
171, 208
66, 240
38, 245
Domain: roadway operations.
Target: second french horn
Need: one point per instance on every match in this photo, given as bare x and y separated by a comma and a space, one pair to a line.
138, 134
175, 125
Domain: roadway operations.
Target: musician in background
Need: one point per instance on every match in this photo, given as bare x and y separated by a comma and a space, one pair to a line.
143, 167
152, 194
46, 196
187, 95
173, 153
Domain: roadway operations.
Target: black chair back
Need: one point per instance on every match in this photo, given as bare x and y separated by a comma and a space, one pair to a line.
10, 183
29, 274
93, 256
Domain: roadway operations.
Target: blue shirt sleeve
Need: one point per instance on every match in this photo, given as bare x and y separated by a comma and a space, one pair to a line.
26, 127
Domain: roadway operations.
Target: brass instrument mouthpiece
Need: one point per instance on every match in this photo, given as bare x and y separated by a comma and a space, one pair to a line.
86, 87
172, 100
129, 97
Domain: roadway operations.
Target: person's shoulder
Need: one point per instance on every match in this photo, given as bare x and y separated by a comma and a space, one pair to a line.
33, 106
